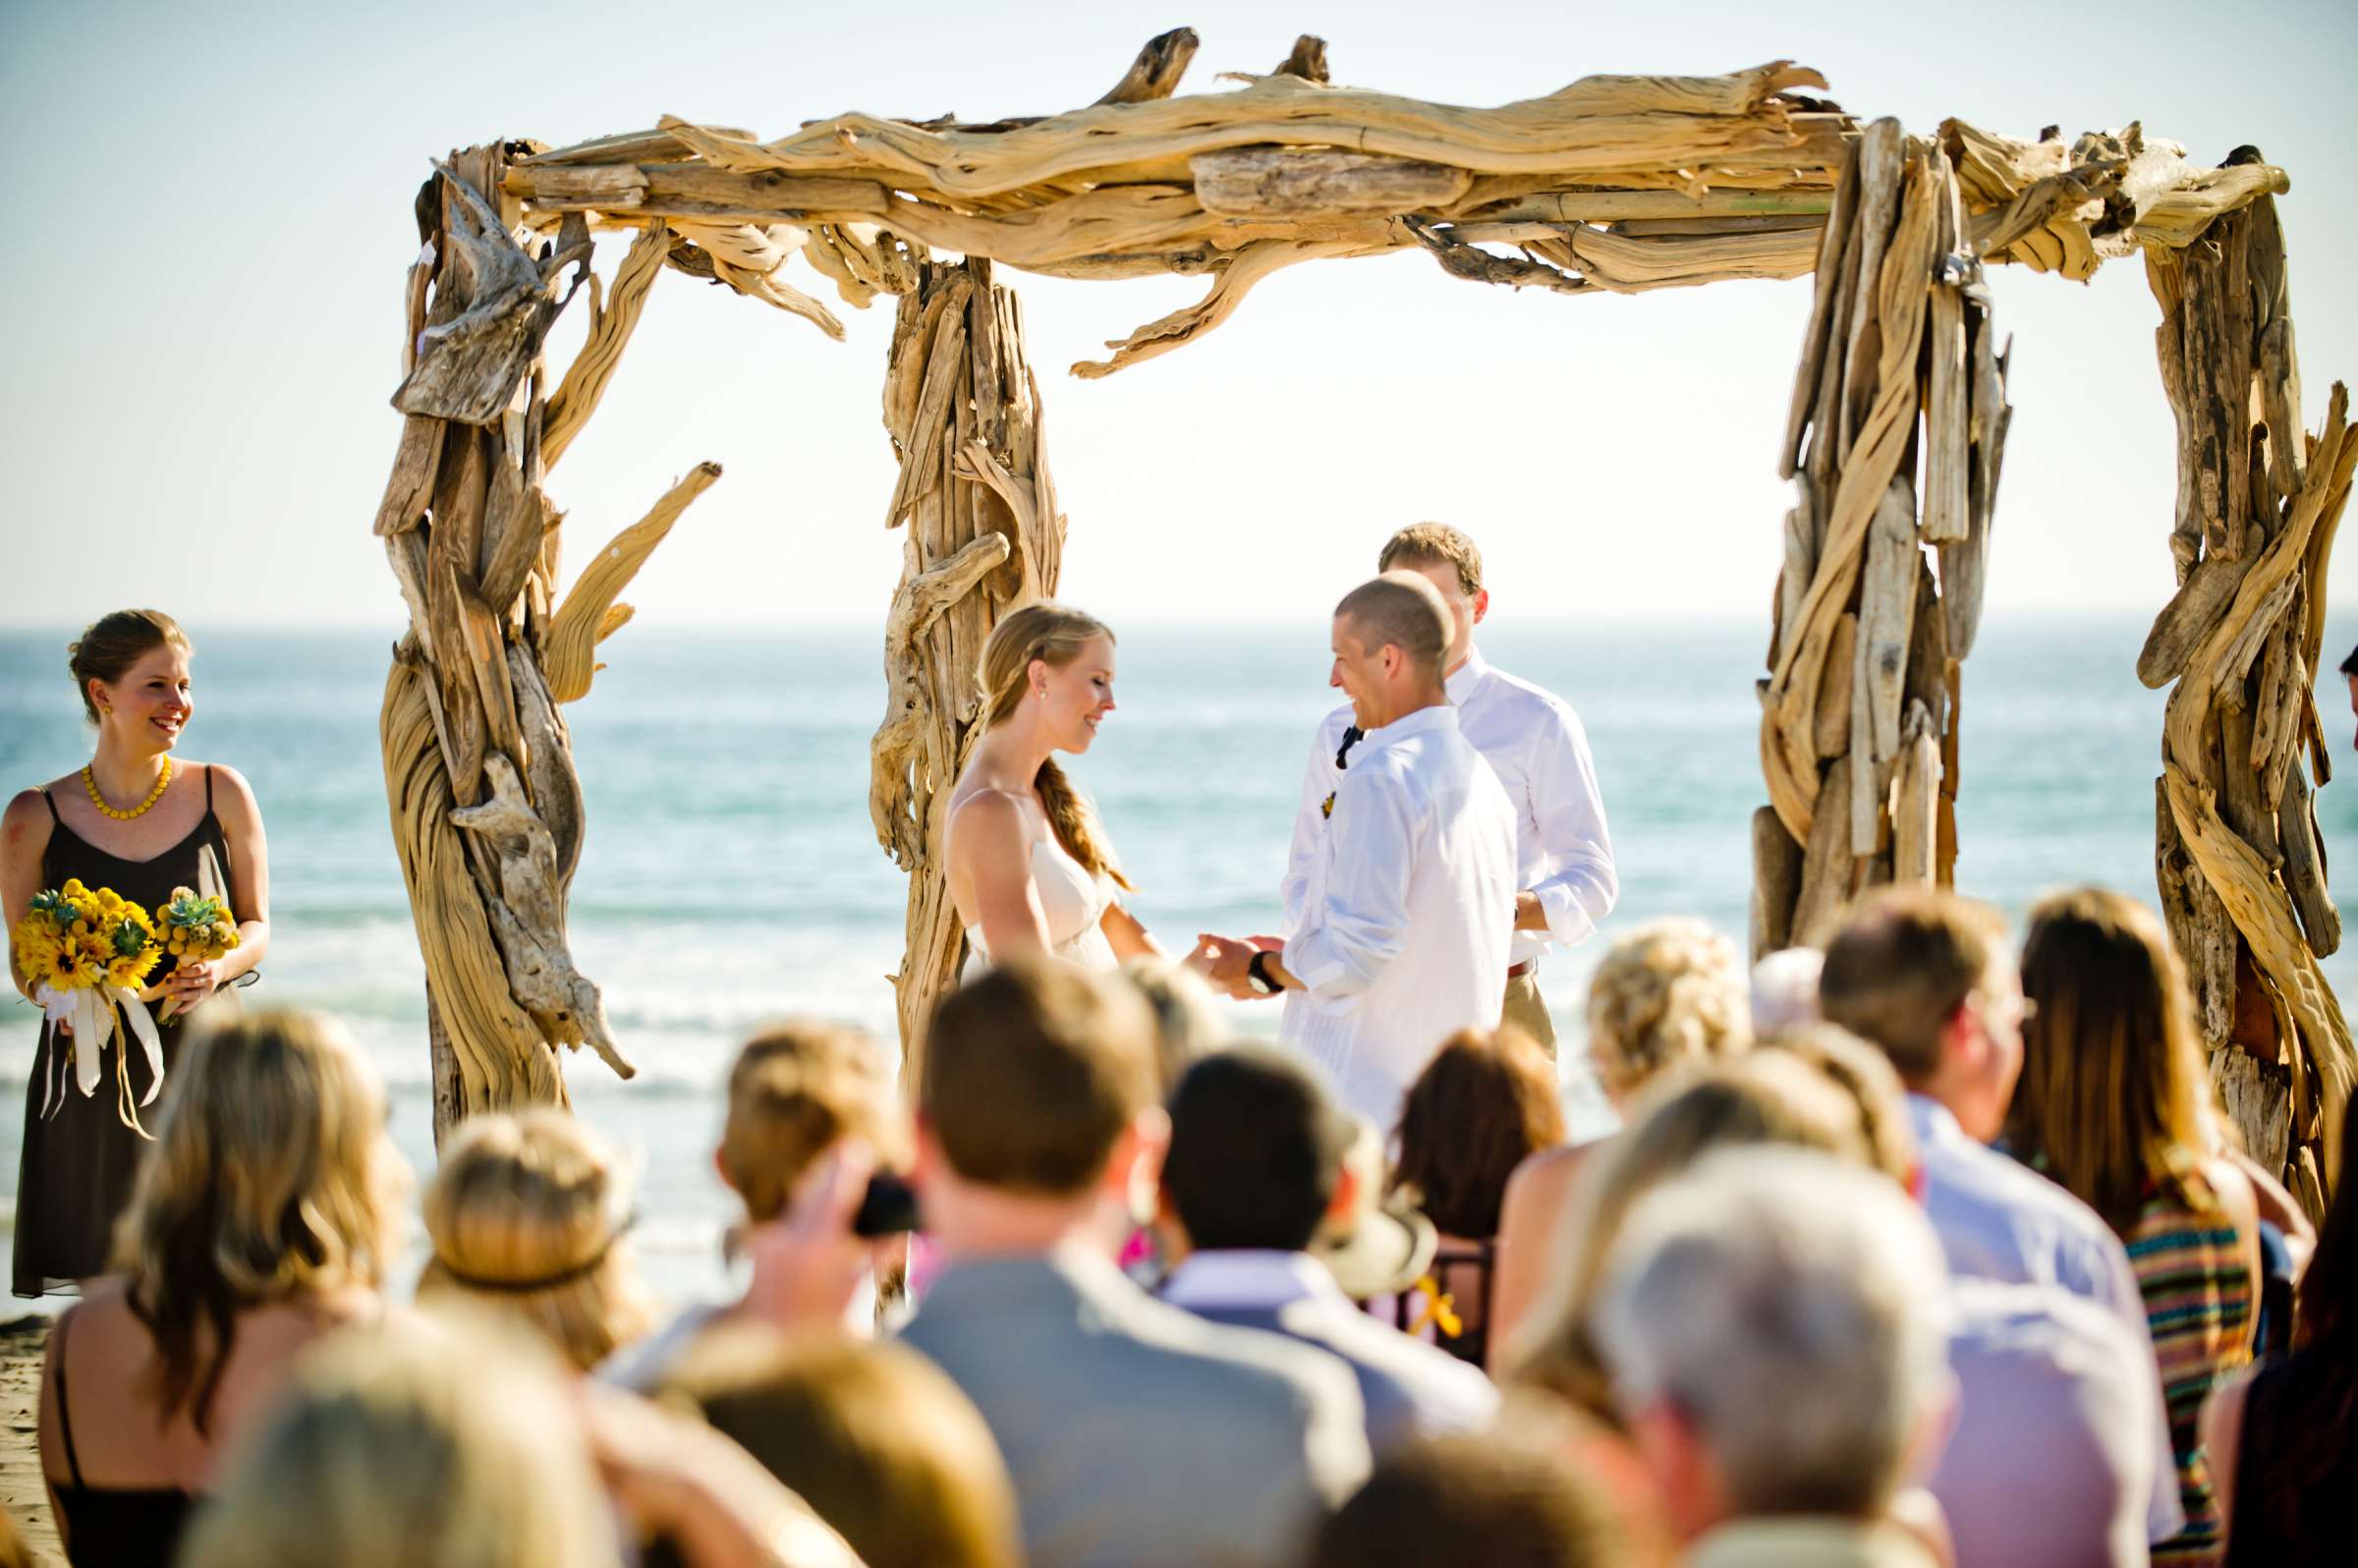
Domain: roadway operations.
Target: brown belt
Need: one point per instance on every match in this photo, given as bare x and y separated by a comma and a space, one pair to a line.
1518, 971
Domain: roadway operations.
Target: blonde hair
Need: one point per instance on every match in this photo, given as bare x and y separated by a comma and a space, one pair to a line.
796, 1089
1672, 991
1867, 1077
1763, 1098
412, 1443
876, 1439
527, 1214
1055, 635
271, 1178
2114, 1080
1434, 545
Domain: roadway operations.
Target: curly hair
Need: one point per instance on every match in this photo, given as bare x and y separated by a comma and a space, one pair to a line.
1670, 991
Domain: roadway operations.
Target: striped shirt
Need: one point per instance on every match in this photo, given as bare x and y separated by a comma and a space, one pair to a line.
2192, 1271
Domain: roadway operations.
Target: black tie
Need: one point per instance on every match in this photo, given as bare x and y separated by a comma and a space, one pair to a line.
1352, 736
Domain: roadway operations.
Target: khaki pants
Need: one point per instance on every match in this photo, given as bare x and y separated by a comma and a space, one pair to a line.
1526, 1010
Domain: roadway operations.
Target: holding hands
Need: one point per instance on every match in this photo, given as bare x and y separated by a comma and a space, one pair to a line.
1226, 962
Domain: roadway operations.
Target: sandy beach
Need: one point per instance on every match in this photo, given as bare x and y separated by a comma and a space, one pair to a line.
20, 1489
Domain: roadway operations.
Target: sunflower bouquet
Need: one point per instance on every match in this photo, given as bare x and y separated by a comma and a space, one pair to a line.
194, 928
86, 954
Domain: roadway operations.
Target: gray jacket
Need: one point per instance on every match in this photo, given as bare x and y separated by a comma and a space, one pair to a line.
1409, 1388
1136, 1433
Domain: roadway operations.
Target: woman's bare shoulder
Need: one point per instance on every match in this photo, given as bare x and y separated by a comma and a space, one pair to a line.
1548, 1173
989, 809
32, 805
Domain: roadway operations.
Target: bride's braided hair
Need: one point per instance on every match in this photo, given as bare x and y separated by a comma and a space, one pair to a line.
1055, 634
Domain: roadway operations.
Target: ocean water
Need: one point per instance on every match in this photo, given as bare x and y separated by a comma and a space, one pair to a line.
729, 772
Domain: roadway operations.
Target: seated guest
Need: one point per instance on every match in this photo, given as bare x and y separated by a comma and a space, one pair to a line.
1774, 1324
1482, 1107
416, 1442
1765, 1097
1188, 1024
1255, 1165
2050, 1464
1672, 994
2110, 1105
527, 1214
1373, 1244
2282, 1448
1135, 1432
266, 1215
1506, 1497
1866, 1075
454, 1442
2037, 1471
796, 1091
872, 1436
1784, 990
1926, 977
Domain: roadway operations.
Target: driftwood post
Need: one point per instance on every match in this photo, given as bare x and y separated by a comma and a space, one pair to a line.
1893, 441
963, 410
487, 808
2239, 861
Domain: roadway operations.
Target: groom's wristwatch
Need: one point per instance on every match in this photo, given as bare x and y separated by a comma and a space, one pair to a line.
1257, 975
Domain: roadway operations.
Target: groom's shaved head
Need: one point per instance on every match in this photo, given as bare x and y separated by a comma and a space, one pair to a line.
1403, 610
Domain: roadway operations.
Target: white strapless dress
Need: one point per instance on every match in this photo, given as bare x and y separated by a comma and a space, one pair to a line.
1074, 903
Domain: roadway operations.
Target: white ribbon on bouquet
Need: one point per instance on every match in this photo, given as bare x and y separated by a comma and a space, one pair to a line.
97, 1014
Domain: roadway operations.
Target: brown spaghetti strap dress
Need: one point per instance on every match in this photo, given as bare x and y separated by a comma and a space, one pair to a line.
75, 1179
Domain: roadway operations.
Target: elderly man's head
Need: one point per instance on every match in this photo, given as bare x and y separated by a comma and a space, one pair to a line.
1776, 1339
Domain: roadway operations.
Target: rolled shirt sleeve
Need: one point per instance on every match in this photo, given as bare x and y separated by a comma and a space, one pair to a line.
1362, 925
1568, 811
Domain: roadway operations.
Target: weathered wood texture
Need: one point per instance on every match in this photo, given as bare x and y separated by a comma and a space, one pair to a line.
1859, 710
1614, 183
963, 410
2242, 871
486, 808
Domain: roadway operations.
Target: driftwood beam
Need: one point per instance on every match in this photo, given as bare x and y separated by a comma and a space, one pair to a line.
1290, 182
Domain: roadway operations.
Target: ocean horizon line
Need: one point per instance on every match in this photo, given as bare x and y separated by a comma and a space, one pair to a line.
2032, 617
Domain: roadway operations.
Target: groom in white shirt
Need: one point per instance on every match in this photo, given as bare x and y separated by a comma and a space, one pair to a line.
1564, 880
1407, 906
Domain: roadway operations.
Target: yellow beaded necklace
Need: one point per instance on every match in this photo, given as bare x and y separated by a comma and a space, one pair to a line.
90, 783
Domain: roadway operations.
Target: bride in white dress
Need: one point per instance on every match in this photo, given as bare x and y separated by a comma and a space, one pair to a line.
1030, 867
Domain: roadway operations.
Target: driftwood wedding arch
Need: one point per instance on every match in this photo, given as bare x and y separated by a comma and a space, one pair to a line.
1613, 184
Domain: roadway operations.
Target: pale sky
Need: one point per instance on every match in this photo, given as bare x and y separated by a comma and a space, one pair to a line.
203, 309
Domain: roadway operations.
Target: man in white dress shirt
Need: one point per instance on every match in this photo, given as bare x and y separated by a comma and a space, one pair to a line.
1564, 878
1406, 915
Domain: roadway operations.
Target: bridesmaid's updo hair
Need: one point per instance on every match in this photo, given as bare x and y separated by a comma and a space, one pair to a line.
112, 643
1054, 634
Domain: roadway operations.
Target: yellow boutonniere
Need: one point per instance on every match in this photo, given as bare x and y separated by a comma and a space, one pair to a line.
1440, 1309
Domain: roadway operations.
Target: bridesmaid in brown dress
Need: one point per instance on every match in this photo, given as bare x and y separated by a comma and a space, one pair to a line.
139, 820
